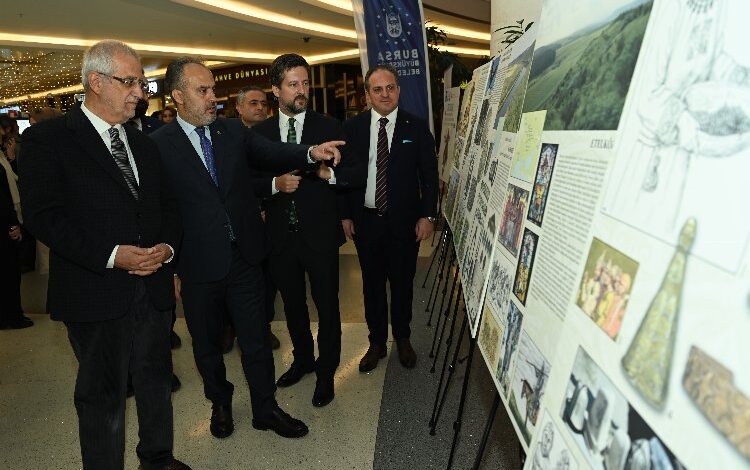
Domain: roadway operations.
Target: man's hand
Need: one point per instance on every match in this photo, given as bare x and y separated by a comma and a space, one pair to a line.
263, 215
10, 149
423, 229
327, 151
141, 261
348, 226
324, 172
15, 233
287, 183
177, 288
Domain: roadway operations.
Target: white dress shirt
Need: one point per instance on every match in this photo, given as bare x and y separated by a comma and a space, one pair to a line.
193, 137
372, 167
299, 122
102, 128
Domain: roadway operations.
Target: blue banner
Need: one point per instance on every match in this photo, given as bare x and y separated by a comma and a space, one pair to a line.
392, 31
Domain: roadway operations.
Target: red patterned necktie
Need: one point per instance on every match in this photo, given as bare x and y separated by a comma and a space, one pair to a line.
381, 181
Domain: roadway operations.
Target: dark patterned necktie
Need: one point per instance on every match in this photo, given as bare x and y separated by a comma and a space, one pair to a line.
208, 154
381, 180
291, 137
122, 161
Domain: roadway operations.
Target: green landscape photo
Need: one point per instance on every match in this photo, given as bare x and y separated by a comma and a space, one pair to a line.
583, 65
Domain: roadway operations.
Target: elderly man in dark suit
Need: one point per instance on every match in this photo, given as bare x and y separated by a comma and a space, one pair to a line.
305, 231
208, 162
94, 192
393, 212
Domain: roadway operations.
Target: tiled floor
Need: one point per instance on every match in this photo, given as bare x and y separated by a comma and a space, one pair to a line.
38, 429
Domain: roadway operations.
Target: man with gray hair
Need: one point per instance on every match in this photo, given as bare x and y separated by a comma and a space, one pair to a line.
94, 192
252, 105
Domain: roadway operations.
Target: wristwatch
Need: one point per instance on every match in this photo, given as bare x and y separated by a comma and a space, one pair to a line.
432, 220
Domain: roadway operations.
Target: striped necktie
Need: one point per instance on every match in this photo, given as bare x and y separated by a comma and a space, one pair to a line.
381, 180
122, 161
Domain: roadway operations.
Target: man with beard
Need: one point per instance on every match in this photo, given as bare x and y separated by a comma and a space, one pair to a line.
207, 161
305, 231
94, 192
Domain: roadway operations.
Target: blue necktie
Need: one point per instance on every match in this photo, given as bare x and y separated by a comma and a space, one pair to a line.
208, 153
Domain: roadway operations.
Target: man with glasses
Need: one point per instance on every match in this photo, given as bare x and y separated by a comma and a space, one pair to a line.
94, 192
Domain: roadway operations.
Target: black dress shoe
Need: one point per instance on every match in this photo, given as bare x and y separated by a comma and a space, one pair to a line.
173, 465
406, 354
175, 341
323, 394
293, 375
281, 423
176, 384
275, 343
22, 321
222, 424
370, 360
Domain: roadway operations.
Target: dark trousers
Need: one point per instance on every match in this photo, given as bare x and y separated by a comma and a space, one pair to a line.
137, 343
270, 296
288, 268
10, 281
384, 257
240, 294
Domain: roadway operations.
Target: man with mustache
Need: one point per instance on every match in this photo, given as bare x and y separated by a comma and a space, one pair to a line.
305, 231
207, 162
94, 192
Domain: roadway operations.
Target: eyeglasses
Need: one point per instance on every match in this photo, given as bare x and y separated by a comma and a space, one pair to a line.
130, 82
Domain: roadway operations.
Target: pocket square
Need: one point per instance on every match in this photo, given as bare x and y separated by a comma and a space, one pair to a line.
406, 141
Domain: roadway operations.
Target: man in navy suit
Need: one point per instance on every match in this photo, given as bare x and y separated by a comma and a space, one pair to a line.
208, 161
303, 223
394, 153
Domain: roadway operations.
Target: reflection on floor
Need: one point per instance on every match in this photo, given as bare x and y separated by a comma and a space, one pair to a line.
38, 429
38, 424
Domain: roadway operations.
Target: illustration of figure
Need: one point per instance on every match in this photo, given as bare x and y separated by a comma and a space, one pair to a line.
613, 320
685, 148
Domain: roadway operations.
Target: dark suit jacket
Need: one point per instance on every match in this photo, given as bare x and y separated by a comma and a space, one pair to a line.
150, 124
314, 199
412, 171
206, 253
75, 200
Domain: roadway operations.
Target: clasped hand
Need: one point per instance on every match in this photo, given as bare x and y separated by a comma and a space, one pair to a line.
142, 261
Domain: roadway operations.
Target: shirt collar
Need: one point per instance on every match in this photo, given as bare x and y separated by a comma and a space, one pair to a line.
187, 127
99, 124
300, 118
391, 116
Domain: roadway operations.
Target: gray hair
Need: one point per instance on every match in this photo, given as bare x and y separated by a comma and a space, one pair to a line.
98, 58
245, 90
173, 80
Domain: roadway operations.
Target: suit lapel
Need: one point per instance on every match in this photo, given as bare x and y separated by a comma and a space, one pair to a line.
400, 131
222, 154
186, 151
271, 130
138, 154
309, 129
94, 146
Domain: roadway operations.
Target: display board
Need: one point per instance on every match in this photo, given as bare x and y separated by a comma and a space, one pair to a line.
608, 149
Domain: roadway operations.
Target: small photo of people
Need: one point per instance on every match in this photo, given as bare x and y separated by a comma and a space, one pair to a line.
525, 265
542, 182
605, 286
516, 201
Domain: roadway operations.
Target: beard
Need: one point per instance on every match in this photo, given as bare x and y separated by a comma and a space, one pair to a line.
297, 105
